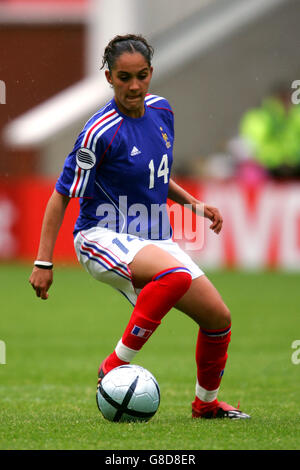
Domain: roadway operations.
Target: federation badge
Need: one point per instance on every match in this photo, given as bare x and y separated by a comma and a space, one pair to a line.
166, 138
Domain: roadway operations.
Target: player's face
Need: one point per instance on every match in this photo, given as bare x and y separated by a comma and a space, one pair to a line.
130, 79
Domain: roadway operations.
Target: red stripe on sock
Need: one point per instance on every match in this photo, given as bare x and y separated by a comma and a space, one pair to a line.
220, 330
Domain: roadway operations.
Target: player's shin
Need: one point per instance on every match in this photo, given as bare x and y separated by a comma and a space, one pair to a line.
211, 357
153, 303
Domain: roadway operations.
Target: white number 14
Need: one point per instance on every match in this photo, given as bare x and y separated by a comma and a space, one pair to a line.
163, 170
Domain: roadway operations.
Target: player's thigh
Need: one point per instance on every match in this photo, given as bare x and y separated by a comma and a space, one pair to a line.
204, 304
149, 261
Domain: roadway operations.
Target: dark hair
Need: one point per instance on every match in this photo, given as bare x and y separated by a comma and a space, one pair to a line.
128, 43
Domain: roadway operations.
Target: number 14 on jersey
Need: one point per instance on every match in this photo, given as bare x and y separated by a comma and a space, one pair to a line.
162, 171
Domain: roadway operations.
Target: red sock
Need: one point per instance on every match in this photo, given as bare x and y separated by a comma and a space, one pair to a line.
153, 303
211, 357
113, 361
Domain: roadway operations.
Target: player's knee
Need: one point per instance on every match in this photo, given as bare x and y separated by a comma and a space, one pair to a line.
223, 316
218, 318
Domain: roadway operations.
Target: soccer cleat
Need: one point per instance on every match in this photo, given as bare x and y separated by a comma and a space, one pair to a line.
217, 409
101, 373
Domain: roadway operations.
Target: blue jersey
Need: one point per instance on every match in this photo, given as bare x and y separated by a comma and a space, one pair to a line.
120, 169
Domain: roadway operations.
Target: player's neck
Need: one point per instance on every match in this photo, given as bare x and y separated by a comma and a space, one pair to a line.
133, 113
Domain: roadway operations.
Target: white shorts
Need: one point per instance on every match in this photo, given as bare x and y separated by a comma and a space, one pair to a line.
106, 255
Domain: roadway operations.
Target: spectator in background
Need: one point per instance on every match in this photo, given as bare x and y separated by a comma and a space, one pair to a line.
273, 133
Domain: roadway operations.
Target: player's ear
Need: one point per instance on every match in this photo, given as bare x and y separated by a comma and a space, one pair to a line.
150, 72
108, 76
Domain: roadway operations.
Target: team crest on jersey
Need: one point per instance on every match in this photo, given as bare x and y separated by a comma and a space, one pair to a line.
166, 138
85, 158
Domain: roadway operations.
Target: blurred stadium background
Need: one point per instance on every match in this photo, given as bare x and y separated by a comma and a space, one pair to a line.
228, 68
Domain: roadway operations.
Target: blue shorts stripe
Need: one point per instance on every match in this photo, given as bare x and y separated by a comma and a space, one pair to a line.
109, 256
92, 258
172, 270
126, 296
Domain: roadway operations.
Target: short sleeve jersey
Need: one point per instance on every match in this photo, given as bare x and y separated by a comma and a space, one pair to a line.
120, 169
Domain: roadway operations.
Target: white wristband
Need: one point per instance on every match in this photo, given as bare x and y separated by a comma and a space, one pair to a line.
43, 264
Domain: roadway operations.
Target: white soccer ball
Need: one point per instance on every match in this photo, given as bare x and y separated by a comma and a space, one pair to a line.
128, 393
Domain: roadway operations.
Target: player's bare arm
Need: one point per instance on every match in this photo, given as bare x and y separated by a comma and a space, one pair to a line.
41, 279
177, 194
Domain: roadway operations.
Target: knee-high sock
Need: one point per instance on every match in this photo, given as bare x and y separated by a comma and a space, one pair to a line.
211, 357
153, 303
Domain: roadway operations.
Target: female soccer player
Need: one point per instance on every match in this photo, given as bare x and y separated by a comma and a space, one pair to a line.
120, 167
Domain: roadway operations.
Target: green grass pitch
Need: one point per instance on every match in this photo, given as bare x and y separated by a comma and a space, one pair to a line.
53, 348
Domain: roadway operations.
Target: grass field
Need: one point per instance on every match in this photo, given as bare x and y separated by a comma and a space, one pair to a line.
53, 348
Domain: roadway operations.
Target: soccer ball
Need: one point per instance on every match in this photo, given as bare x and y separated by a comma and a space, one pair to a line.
128, 393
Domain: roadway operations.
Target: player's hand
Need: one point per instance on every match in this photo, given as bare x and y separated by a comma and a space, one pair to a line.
213, 214
41, 280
